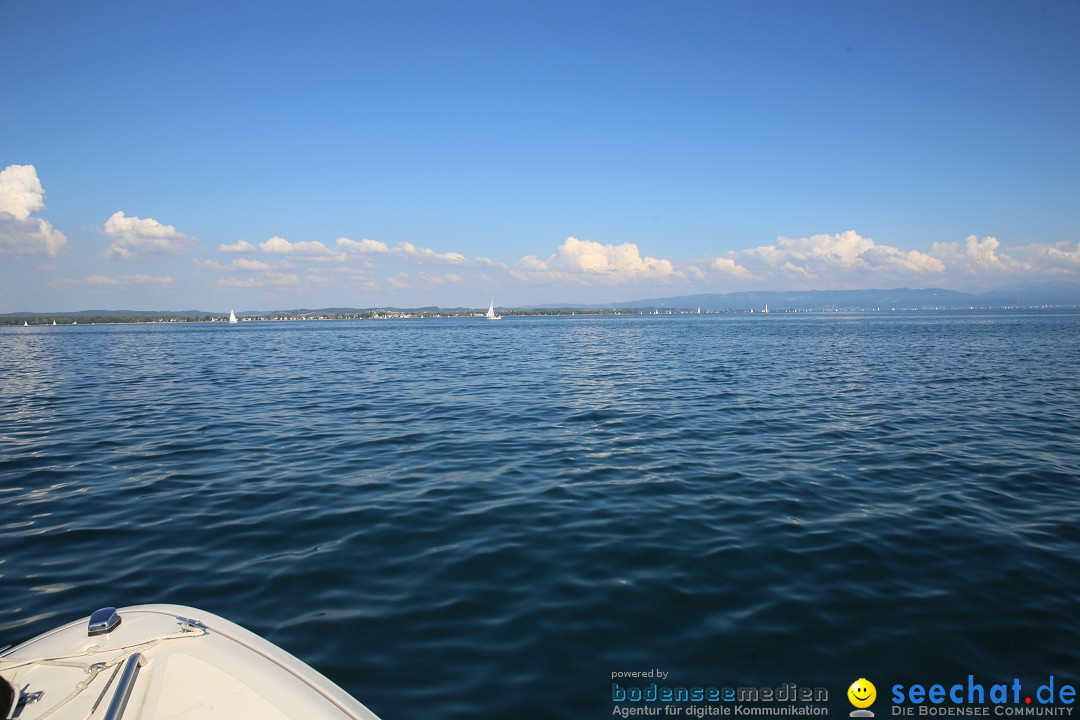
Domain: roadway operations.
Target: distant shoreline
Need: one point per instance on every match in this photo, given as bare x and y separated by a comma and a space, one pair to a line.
1044, 295
91, 317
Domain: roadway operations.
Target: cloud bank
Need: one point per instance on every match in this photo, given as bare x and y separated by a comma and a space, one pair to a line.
843, 260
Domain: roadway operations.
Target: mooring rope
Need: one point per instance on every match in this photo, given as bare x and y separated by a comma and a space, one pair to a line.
185, 631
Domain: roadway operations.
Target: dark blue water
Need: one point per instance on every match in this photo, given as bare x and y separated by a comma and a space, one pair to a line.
466, 519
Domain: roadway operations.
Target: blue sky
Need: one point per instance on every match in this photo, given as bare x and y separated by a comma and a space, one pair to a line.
270, 155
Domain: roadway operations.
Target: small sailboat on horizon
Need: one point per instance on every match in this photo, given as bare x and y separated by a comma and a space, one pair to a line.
490, 314
232, 317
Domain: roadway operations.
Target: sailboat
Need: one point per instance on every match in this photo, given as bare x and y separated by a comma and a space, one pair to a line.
490, 315
766, 308
232, 317
53, 322
25, 324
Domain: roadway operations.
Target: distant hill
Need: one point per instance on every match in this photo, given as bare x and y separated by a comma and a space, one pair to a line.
1058, 294
115, 313
66, 317
1055, 293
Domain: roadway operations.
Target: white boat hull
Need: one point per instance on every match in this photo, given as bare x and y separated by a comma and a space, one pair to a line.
204, 670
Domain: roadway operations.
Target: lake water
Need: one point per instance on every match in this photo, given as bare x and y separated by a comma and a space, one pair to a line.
464, 519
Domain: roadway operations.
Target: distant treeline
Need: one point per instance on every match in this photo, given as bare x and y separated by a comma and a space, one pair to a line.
61, 319
127, 316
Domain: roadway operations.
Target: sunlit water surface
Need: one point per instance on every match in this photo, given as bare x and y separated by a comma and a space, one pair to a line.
465, 519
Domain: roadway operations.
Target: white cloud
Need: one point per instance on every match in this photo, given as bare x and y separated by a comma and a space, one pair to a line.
245, 264
164, 280
240, 246
841, 250
209, 264
831, 256
588, 260
976, 256
347, 270
727, 266
134, 236
531, 262
426, 279
407, 251
276, 279
32, 236
94, 280
362, 246
309, 249
279, 278
147, 279
849, 259
1062, 253
356, 277
400, 281
237, 282
404, 281
21, 194
1058, 258
427, 254
883, 256
796, 270
20, 191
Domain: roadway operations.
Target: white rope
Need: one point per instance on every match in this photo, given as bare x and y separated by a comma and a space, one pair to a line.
79, 687
94, 669
186, 631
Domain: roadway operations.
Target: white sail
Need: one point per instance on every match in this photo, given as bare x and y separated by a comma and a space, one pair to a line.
490, 315
53, 322
232, 316
25, 324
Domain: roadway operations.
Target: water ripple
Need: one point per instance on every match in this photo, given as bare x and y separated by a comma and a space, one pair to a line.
464, 519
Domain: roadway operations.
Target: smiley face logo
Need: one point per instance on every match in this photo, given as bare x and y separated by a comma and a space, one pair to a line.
862, 694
